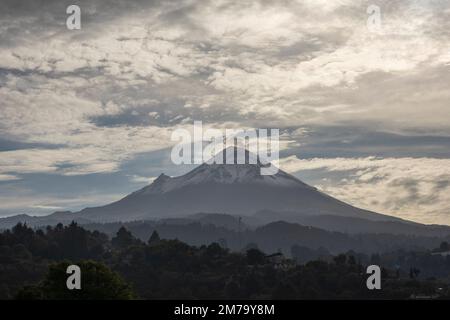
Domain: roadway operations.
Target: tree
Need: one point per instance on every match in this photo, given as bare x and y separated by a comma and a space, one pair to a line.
223, 243
123, 238
74, 242
214, 250
284, 291
98, 282
154, 238
255, 257
23, 233
351, 260
21, 252
340, 259
30, 293
232, 289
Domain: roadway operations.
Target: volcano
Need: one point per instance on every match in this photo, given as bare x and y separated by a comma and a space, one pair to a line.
230, 188
213, 192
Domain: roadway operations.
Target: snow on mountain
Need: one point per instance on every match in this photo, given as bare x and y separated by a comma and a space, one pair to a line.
222, 174
229, 173
236, 189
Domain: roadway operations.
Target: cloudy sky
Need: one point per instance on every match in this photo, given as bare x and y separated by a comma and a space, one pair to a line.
364, 109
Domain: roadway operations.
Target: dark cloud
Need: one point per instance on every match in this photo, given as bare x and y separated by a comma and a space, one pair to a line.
10, 145
263, 63
351, 141
43, 19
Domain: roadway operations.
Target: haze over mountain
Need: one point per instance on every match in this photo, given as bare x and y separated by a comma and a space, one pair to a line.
231, 189
86, 119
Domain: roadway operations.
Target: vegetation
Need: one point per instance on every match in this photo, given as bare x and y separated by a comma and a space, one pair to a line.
99, 283
33, 266
267, 237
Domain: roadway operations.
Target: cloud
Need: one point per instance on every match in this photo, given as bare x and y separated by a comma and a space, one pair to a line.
8, 177
411, 188
35, 204
140, 179
77, 103
227, 60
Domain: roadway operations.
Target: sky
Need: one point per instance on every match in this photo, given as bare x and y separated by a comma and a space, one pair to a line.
362, 100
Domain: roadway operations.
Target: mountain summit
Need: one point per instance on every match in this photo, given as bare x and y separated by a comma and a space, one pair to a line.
227, 172
248, 174
236, 189
215, 191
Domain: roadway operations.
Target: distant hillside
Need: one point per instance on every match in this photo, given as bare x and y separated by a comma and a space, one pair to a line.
273, 236
234, 196
353, 225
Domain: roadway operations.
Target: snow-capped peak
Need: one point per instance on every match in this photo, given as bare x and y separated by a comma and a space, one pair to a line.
223, 174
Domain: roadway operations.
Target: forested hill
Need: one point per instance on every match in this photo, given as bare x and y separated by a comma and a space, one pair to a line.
272, 237
33, 265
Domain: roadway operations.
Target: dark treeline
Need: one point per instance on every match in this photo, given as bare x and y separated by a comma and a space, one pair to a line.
268, 237
33, 264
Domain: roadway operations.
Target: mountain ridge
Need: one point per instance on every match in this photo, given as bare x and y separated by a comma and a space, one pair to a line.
226, 188
234, 190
